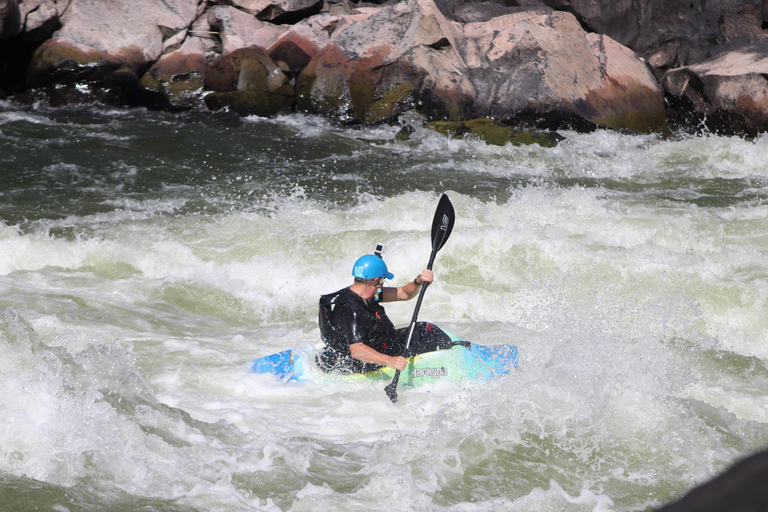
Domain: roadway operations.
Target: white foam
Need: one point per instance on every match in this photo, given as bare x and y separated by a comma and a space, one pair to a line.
626, 311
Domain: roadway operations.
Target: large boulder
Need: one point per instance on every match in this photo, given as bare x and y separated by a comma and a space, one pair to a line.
446, 92
668, 33
543, 69
98, 38
729, 93
295, 47
248, 82
176, 81
629, 96
533, 67
382, 62
671, 33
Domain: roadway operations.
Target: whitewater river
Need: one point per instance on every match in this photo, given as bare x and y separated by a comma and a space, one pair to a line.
147, 258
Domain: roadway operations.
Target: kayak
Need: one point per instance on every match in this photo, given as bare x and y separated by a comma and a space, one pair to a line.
462, 362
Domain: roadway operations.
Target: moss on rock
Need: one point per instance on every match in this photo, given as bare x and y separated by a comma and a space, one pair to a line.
494, 132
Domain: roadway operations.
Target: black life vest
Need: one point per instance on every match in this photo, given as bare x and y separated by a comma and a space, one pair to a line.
346, 318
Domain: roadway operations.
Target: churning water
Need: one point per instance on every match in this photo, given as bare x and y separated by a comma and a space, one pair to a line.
147, 258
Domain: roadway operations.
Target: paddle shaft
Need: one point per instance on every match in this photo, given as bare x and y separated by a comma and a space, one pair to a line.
416, 312
439, 236
391, 389
442, 225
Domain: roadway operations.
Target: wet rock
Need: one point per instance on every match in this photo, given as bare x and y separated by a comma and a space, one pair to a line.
59, 62
729, 93
383, 62
98, 38
252, 103
494, 133
176, 81
405, 133
248, 82
323, 87
246, 69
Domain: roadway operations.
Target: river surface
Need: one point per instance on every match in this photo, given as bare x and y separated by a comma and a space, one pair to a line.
147, 258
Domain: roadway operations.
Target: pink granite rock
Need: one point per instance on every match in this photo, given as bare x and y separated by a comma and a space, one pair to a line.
729, 92
238, 29
531, 64
96, 36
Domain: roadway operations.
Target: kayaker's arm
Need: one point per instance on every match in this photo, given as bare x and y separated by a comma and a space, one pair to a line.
366, 354
408, 291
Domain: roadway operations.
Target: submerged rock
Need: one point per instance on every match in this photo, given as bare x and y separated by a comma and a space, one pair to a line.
250, 103
495, 133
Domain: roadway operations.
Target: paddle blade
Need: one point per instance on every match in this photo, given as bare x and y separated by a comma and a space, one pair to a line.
391, 389
442, 224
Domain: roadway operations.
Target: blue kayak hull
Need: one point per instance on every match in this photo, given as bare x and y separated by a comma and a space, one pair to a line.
459, 363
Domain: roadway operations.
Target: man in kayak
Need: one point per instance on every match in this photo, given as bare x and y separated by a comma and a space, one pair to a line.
358, 335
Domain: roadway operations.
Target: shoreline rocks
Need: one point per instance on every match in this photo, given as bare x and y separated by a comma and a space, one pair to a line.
545, 65
729, 92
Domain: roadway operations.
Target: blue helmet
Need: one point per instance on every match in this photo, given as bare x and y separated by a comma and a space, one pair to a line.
371, 266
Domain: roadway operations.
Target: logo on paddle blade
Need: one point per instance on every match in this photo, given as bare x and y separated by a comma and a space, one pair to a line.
444, 224
430, 372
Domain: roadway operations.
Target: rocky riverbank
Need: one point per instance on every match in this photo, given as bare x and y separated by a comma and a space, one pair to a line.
533, 64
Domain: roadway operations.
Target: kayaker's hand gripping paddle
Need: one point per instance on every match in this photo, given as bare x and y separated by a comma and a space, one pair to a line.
442, 225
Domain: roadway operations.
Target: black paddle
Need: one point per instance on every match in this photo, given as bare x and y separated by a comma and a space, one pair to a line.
442, 225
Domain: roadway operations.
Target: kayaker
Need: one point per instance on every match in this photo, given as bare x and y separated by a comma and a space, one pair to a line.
359, 336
